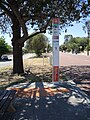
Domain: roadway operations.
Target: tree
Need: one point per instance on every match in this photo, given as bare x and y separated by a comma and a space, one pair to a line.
67, 38
75, 44
37, 43
87, 26
3, 47
16, 16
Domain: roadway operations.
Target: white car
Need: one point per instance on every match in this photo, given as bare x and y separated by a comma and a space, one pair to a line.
4, 57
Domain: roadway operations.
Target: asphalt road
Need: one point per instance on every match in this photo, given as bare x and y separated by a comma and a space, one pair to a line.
66, 59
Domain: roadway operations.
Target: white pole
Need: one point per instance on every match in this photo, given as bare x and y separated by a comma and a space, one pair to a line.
55, 43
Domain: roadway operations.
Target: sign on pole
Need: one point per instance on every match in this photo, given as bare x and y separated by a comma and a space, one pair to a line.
55, 43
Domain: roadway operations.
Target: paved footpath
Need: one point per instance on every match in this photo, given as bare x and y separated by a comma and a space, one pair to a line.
48, 101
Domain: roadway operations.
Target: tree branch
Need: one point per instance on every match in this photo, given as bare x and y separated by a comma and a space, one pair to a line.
36, 33
14, 6
9, 13
45, 27
5, 3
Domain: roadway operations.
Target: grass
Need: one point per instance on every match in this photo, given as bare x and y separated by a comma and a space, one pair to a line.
36, 61
36, 69
5, 69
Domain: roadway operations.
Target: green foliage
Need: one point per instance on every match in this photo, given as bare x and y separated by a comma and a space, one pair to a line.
74, 45
39, 12
38, 44
88, 47
67, 37
63, 47
3, 47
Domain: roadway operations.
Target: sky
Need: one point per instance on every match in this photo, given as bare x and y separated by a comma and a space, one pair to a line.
75, 31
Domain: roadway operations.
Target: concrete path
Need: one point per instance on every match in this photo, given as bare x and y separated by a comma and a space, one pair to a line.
48, 101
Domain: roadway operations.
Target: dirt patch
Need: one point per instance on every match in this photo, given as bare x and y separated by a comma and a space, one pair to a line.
80, 75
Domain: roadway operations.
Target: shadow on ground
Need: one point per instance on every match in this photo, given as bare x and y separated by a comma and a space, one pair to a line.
79, 74
5, 60
72, 105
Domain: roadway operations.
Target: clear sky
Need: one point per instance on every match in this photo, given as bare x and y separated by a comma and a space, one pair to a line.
75, 31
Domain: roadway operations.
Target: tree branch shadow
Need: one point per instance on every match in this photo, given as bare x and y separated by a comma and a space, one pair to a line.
70, 105
79, 74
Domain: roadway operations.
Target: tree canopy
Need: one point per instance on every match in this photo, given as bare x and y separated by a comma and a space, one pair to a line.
67, 37
75, 44
38, 14
38, 44
3, 47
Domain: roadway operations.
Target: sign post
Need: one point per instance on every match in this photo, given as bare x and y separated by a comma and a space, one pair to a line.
55, 43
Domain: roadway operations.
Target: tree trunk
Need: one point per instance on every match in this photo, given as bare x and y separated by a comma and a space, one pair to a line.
17, 49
